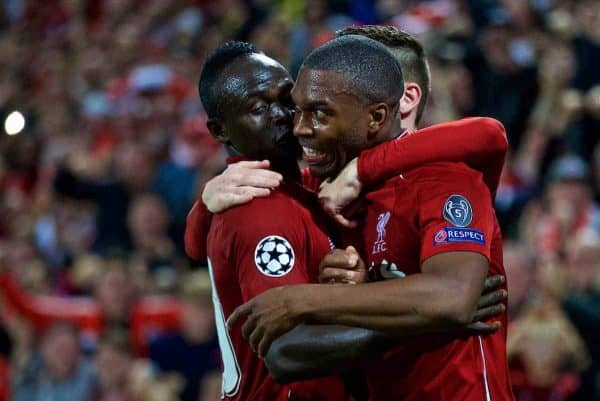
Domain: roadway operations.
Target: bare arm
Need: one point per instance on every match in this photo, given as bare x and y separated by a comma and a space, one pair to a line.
310, 351
444, 295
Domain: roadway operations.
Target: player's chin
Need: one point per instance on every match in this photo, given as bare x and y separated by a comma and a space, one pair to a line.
325, 169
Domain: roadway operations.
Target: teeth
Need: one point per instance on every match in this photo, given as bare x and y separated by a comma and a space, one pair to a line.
310, 151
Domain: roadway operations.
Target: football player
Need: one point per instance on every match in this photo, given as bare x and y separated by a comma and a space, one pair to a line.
251, 248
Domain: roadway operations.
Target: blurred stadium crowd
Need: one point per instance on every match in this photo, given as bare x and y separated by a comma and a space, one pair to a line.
98, 299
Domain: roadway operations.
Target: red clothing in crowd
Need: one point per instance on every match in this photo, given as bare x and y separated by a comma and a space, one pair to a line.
147, 315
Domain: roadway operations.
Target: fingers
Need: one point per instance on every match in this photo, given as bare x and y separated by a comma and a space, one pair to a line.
238, 314
257, 178
340, 276
492, 298
252, 192
249, 326
482, 327
235, 196
252, 174
328, 206
338, 259
265, 343
254, 337
351, 249
341, 220
493, 282
342, 266
252, 164
488, 312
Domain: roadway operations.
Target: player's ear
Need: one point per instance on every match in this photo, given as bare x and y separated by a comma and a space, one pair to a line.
217, 130
410, 99
378, 115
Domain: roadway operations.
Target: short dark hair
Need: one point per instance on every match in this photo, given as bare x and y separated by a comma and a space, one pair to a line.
407, 50
214, 65
368, 65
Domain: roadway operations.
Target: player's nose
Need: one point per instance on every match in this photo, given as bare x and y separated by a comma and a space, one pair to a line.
302, 124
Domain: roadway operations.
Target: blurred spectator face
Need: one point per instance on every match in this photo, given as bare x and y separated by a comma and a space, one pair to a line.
519, 276
557, 66
210, 389
495, 48
198, 321
546, 343
17, 253
198, 315
390, 8
148, 217
263, 36
567, 198
60, 352
114, 292
592, 102
195, 145
134, 167
113, 367
583, 260
139, 377
588, 15
520, 13
315, 11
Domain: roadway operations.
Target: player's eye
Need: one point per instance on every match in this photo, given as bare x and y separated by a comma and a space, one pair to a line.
258, 108
320, 114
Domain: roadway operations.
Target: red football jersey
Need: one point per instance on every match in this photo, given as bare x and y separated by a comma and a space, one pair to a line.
269, 242
442, 207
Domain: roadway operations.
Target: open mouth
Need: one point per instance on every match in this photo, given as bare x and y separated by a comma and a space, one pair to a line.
312, 156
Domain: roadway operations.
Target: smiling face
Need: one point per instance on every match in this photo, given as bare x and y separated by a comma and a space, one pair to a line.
257, 117
331, 122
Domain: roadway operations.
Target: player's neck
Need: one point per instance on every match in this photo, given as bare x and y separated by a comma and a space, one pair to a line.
288, 168
390, 131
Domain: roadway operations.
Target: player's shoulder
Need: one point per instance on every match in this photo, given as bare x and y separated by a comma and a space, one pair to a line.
472, 123
271, 210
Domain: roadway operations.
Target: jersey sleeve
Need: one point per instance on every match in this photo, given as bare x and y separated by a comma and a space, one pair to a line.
479, 142
455, 213
196, 231
270, 248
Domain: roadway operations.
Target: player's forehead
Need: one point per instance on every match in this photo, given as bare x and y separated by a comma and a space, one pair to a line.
255, 74
319, 86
